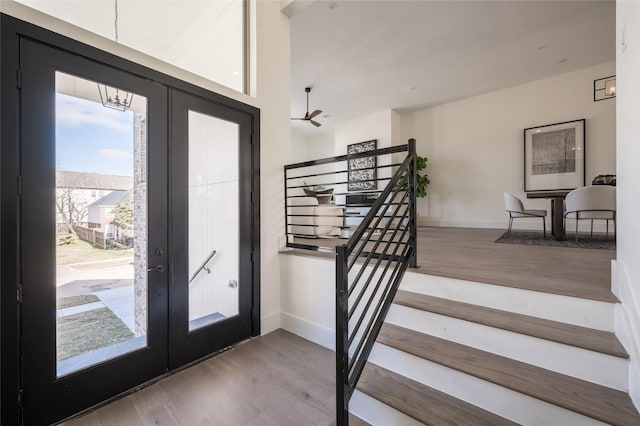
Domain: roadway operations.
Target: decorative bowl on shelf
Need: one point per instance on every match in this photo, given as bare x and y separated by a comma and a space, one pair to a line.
324, 196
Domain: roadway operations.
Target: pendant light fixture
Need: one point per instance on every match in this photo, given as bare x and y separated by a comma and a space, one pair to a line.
109, 96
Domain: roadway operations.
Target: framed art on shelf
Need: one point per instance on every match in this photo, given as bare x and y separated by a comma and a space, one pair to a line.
554, 156
361, 172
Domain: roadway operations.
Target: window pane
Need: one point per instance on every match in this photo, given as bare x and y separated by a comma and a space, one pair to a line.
213, 220
101, 208
204, 37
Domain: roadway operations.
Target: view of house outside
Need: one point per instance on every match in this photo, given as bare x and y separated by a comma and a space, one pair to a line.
100, 225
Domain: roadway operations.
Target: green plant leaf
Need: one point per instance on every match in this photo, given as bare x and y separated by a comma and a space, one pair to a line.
422, 180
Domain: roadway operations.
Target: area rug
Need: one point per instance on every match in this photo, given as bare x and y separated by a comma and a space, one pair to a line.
87, 331
586, 241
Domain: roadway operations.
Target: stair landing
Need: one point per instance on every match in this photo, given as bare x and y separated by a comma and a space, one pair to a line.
471, 254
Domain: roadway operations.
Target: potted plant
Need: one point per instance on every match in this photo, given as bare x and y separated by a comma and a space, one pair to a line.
422, 180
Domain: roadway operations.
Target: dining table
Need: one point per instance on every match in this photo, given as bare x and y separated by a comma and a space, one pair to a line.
557, 210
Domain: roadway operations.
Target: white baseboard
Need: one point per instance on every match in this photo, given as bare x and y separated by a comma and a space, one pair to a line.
269, 323
465, 223
308, 330
627, 325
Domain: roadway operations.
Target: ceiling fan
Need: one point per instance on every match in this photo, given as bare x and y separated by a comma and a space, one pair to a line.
307, 116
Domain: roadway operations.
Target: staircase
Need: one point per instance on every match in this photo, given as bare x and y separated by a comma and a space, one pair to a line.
457, 352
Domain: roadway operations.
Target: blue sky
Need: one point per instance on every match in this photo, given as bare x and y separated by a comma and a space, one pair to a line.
92, 138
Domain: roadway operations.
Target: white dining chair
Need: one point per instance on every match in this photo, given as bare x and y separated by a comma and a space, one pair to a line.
516, 210
596, 202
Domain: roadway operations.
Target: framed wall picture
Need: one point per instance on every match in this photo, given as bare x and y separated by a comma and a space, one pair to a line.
554, 156
361, 172
604, 88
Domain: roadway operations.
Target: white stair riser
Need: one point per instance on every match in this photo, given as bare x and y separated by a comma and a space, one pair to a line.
571, 310
504, 402
377, 413
584, 364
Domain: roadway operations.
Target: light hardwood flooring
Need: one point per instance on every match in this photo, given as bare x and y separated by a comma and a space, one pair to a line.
278, 379
472, 254
281, 379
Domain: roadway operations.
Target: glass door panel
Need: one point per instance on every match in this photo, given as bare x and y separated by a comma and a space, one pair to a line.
93, 254
212, 271
101, 209
213, 219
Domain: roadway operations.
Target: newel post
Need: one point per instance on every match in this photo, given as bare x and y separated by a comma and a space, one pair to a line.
342, 337
411, 147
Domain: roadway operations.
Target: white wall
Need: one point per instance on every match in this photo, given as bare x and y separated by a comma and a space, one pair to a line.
626, 270
475, 145
312, 148
373, 126
299, 149
308, 304
308, 298
273, 76
270, 77
322, 146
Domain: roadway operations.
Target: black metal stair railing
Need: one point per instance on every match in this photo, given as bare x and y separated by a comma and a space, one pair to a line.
367, 216
355, 183
369, 268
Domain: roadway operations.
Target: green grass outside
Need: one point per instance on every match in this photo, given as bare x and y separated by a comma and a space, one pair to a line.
82, 251
87, 331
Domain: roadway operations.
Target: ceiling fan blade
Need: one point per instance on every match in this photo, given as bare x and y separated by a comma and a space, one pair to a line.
314, 113
298, 118
315, 123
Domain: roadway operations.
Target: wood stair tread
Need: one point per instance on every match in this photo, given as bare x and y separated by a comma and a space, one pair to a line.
568, 334
421, 402
592, 400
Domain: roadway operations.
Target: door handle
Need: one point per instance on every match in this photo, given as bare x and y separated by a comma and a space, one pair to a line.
157, 268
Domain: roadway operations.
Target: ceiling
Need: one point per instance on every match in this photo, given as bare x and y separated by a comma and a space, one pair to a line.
362, 57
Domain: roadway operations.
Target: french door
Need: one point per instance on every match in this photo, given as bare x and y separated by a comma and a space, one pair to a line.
136, 227
211, 225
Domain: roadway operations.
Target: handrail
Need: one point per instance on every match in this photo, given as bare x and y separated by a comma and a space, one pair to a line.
203, 266
365, 287
338, 158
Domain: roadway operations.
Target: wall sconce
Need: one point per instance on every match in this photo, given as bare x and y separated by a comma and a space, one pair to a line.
604, 88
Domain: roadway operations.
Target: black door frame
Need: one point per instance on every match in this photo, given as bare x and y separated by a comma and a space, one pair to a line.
11, 31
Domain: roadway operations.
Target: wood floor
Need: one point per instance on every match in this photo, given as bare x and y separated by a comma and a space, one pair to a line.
274, 380
281, 379
472, 254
